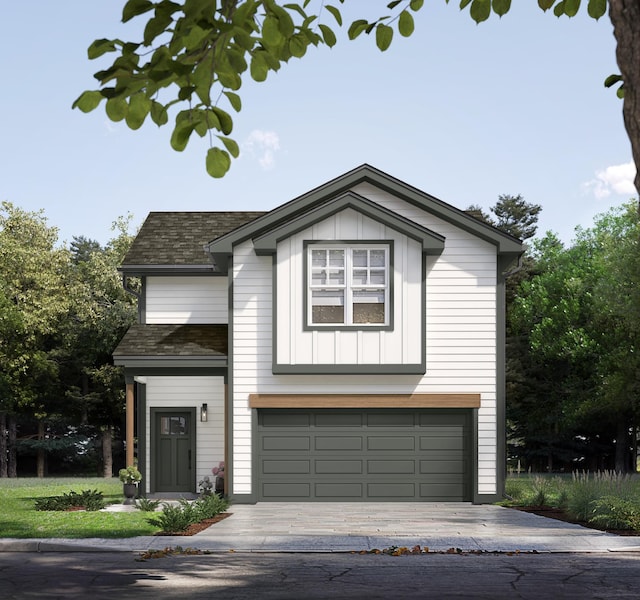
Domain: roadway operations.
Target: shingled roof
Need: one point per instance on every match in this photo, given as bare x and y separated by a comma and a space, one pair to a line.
170, 341
177, 238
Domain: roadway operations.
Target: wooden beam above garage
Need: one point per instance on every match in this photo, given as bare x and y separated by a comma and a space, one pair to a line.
364, 400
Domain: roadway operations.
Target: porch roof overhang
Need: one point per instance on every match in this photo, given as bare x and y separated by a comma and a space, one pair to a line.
160, 346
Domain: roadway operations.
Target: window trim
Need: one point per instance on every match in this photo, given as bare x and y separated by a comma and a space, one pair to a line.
348, 245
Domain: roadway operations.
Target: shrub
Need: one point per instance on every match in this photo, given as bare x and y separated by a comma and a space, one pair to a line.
540, 492
613, 512
209, 506
175, 518
147, 505
172, 519
90, 500
588, 488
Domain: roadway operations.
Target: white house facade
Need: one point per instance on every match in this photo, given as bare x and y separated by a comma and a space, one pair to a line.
345, 346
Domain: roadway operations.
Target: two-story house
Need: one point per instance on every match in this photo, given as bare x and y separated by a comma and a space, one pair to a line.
345, 346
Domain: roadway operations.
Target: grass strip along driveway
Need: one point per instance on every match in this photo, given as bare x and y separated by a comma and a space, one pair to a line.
20, 519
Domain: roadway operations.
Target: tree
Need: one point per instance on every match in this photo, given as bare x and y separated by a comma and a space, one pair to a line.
195, 53
576, 322
100, 313
34, 300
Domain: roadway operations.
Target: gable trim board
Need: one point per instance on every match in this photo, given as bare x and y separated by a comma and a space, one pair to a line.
457, 266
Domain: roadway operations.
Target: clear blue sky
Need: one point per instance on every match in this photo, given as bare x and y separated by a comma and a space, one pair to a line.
462, 111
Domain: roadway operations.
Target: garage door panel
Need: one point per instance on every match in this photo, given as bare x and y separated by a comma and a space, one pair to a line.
283, 490
442, 491
442, 443
339, 467
277, 467
338, 419
402, 419
291, 419
391, 467
388, 443
337, 443
377, 454
391, 490
330, 491
281, 442
457, 467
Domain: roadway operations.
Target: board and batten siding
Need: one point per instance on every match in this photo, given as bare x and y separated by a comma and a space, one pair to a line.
402, 345
186, 300
190, 392
460, 339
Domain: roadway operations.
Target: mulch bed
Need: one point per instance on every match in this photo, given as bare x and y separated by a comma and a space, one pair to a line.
561, 515
198, 527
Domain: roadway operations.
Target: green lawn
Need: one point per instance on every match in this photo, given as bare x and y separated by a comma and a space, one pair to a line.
19, 519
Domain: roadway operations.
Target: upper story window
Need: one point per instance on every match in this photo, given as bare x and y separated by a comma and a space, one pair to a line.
348, 285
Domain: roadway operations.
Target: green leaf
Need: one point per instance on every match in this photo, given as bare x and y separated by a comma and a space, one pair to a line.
155, 26
416, 5
181, 133
258, 68
612, 80
597, 8
405, 24
356, 28
271, 34
116, 108
558, 10
133, 8
218, 162
480, 10
234, 100
230, 145
159, 114
328, 36
226, 122
87, 101
546, 4
298, 46
139, 107
336, 14
464, 3
384, 36
393, 4
501, 7
100, 47
571, 7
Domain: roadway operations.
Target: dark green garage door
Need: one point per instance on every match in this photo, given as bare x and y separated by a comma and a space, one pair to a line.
372, 454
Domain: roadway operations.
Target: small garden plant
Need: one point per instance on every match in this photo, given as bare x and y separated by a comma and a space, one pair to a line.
606, 500
86, 499
176, 518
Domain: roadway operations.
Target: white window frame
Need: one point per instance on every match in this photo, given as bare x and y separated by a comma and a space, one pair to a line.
348, 286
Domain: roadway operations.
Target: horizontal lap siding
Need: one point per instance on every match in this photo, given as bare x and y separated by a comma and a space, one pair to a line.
189, 392
460, 340
186, 300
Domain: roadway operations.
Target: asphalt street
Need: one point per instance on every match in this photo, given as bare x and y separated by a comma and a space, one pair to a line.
283, 576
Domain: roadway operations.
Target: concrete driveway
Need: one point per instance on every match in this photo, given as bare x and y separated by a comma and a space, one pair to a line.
346, 527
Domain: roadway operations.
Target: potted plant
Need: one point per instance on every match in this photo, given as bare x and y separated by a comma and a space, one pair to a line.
130, 478
218, 472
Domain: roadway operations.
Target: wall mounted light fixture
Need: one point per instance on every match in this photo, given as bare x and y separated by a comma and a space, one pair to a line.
203, 413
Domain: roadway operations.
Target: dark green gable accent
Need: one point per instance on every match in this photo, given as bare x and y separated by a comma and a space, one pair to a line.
432, 243
300, 206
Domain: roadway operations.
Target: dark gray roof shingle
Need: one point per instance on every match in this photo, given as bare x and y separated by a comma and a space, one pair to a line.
177, 238
156, 340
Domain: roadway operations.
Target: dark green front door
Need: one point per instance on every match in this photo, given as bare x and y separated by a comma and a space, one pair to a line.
371, 454
174, 451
